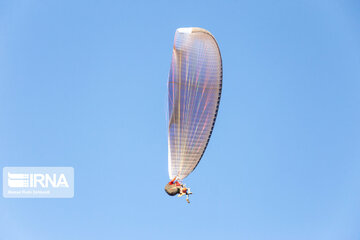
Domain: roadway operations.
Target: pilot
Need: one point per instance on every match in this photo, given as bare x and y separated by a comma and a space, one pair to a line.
174, 187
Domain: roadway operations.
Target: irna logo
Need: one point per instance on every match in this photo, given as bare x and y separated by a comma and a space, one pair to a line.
38, 182
23, 180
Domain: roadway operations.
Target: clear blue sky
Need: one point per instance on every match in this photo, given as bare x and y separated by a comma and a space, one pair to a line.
84, 84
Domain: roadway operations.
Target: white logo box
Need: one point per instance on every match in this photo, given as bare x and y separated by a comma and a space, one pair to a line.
38, 182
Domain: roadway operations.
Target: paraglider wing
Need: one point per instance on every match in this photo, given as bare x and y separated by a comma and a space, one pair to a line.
194, 91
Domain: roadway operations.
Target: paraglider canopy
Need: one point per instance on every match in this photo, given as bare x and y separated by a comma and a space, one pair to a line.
194, 91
